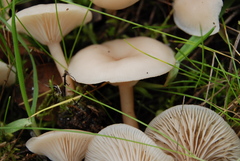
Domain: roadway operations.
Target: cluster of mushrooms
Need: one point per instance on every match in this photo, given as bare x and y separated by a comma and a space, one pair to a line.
119, 62
183, 132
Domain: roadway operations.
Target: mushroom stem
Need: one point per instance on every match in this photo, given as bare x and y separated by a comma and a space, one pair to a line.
60, 61
127, 102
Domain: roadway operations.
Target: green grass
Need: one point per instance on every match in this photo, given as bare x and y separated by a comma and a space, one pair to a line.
206, 73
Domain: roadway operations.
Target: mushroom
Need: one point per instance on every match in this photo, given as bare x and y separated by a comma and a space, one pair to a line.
197, 17
201, 132
61, 145
8, 76
47, 23
114, 4
121, 142
122, 63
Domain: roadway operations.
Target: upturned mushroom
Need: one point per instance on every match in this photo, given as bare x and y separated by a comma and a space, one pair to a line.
48, 23
201, 131
114, 4
124, 143
122, 63
8, 75
60, 145
197, 17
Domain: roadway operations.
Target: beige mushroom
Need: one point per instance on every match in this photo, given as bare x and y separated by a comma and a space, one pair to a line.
61, 145
119, 148
197, 17
122, 64
114, 4
47, 23
200, 130
8, 75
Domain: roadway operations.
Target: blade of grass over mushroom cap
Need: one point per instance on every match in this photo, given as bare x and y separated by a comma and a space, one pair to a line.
61, 145
5, 7
227, 4
124, 143
174, 72
202, 131
8, 76
48, 24
191, 44
116, 110
122, 64
198, 17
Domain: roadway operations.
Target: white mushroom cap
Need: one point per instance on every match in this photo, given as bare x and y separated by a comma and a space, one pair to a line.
197, 17
60, 146
114, 4
103, 148
8, 75
200, 130
116, 61
42, 23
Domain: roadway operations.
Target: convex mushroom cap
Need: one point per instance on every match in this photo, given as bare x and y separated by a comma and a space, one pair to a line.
48, 23
8, 75
60, 145
114, 4
199, 130
115, 149
197, 17
122, 63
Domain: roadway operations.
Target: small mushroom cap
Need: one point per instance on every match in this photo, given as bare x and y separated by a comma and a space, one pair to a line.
200, 130
116, 61
8, 75
60, 145
41, 21
114, 149
114, 4
197, 17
